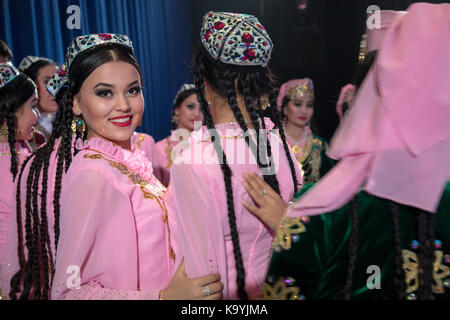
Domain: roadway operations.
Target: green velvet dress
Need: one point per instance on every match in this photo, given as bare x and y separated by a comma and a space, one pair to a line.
310, 254
312, 159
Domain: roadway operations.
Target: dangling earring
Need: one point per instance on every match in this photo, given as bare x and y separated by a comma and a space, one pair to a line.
265, 104
140, 122
208, 101
175, 119
4, 132
78, 125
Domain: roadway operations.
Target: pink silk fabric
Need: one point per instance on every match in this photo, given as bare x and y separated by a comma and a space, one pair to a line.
113, 231
7, 190
394, 143
198, 205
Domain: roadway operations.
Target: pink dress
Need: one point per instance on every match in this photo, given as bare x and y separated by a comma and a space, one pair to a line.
7, 205
115, 240
147, 144
9, 264
167, 149
198, 204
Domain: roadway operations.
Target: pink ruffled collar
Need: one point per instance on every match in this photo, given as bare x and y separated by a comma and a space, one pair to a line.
135, 159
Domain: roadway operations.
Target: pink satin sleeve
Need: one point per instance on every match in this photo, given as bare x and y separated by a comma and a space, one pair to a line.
97, 254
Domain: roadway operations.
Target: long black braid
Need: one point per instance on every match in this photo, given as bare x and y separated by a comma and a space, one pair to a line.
227, 79
400, 279
10, 122
15, 280
227, 177
352, 250
275, 116
426, 255
36, 273
248, 86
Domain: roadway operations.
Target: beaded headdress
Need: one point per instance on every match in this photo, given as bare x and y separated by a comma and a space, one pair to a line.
7, 74
81, 44
29, 60
183, 88
303, 88
236, 39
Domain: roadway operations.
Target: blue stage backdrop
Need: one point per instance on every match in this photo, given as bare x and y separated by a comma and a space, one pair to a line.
161, 31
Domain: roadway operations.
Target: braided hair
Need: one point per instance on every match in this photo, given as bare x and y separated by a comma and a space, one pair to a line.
12, 97
425, 230
228, 83
36, 272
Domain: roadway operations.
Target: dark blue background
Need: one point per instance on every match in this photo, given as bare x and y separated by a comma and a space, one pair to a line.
161, 31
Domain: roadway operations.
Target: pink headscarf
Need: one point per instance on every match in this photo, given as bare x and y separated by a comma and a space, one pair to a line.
285, 87
395, 141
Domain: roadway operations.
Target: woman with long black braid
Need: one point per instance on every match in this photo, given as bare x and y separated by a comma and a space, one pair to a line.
234, 87
377, 225
18, 116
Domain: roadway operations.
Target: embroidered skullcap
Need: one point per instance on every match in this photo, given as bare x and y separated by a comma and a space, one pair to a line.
236, 39
7, 74
81, 44
30, 60
184, 87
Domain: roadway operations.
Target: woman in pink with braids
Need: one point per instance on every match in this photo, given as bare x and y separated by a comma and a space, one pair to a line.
111, 225
236, 92
18, 116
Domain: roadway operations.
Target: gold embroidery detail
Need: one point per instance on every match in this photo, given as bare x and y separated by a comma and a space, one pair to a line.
169, 153
306, 150
279, 291
149, 191
288, 227
411, 267
141, 138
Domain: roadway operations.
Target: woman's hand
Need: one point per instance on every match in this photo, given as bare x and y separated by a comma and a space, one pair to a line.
207, 287
270, 206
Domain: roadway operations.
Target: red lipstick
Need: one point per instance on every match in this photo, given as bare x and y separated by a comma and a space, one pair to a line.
122, 121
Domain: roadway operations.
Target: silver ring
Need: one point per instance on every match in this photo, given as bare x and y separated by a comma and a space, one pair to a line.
206, 291
264, 192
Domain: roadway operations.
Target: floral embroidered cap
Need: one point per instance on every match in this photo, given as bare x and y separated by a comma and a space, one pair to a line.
236, 39
7, 74
81, 44
29, 60
183, 88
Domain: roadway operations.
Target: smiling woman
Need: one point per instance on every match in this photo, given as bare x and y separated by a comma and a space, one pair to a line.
111, 110
114, 224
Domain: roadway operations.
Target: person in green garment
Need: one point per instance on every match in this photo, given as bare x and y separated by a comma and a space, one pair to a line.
377, 226
296, 102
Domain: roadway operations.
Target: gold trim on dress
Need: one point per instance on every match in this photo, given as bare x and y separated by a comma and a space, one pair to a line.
150, 191
288, 227
279, 291
411, 267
